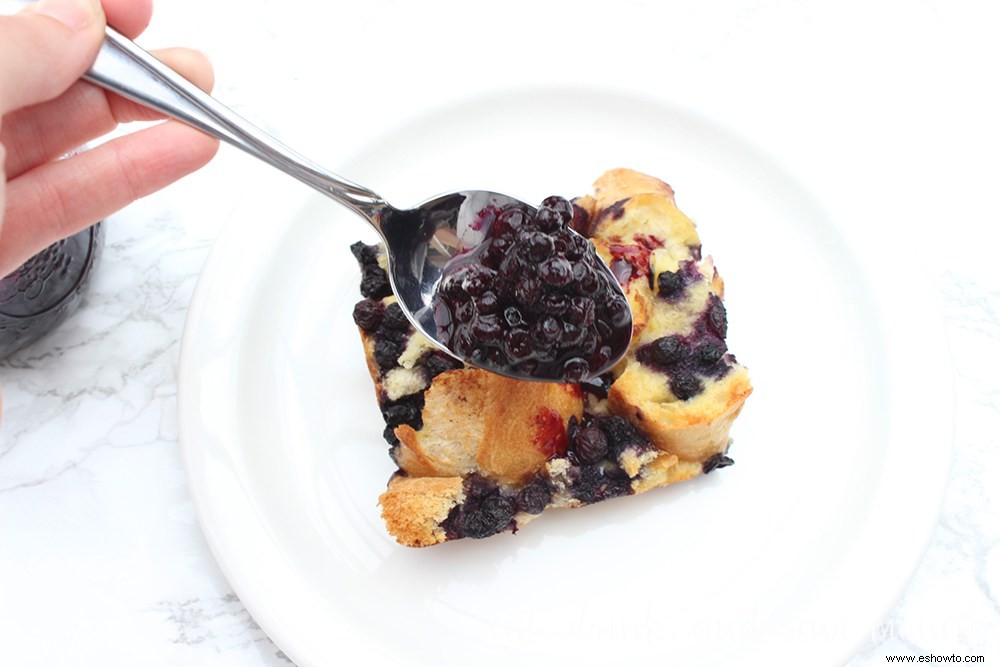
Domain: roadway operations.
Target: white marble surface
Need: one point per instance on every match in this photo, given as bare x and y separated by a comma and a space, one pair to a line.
102, 561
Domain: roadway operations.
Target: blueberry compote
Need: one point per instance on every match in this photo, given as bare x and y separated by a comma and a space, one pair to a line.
533, 299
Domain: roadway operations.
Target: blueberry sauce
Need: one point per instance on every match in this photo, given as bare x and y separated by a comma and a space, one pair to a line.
532, 299
550, 435
631, 260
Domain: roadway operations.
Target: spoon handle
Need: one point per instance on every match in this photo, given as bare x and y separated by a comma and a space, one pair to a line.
124, 68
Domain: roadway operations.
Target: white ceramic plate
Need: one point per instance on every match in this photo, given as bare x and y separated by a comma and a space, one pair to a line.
796, 551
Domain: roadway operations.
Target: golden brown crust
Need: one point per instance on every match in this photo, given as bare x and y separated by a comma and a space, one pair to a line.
476, 420
414, 508
643, 214
694, 429
615, 185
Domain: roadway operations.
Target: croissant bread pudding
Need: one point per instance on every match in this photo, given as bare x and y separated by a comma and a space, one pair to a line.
479, 453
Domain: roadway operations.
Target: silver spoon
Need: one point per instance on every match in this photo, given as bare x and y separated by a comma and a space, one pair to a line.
419, 242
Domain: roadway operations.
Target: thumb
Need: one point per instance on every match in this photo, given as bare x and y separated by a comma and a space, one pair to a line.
45, 48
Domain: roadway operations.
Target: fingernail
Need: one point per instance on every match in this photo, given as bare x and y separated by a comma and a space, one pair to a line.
75, 14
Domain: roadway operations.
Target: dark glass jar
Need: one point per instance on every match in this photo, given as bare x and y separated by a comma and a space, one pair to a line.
39, 295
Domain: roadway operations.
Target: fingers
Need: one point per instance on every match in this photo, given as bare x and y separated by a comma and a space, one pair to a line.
129, 17
59, 198
46, 131
45, 48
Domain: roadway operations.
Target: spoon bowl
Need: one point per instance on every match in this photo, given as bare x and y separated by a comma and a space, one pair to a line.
422, 244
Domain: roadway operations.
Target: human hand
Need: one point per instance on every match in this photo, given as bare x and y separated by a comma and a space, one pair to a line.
46, 112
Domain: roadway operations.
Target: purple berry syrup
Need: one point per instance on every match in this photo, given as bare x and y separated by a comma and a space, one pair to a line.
533, 299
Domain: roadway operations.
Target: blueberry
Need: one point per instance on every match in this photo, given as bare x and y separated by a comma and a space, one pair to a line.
581, 312
366, 255
622, 434
495, 250
533, 498
560, 206
464, 312
717, 316
557, 272
709, 352
554, 304
487, 303
590, 445
368, 315
395, 319
576, 370
517, 343
477, 279
488, 517
539, 247
546, 331
617, 311
572, 335
511, 265
513, 316
528, 290
667, 350
685, 385
374, 283
403, 413
387, 351
548, 220
575, 246
510, 220
437, 362
593, 483
486, 328
477, 486
670, 284
589, 283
